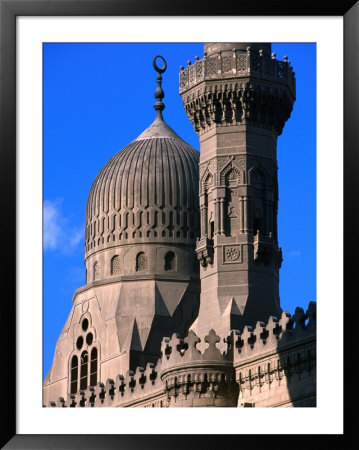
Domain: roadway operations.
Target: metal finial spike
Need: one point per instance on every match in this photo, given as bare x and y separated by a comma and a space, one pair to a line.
159, 94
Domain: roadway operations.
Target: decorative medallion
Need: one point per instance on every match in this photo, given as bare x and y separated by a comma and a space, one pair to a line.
232, 254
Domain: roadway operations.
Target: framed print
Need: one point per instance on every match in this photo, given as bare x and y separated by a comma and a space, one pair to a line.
42, 43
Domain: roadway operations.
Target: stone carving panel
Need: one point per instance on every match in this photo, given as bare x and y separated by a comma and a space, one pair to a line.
241, 62
231, 176
211, 66
232, 254
202, 169
199, 69
240, 162
226, 64
222, 161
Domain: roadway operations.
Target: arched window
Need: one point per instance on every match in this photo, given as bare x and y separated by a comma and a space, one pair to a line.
115, 265
93, 367
96, 271
211, 229
84, 364
84, 370
74, 374
141, 262
170, 261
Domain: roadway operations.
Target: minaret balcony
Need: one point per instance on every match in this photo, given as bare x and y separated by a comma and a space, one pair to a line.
205, 251
237, 87
237, 64
265, 249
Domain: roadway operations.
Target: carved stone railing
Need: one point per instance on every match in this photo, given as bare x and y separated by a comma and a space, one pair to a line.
237, 64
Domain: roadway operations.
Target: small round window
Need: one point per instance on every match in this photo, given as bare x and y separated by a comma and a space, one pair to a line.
89, 339
85, 324
79, 342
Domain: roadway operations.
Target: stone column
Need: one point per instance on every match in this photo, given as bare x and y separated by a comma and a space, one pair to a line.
246, 215
241, 214
221, 216
217, 216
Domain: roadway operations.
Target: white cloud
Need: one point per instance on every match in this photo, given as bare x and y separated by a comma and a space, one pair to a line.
76, 237
52, 227
58, 232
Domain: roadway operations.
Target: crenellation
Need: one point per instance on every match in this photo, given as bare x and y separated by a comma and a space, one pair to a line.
60, 402
100, 394
289, 357
80, 398
71, 401
276, 334
90, 396
254, 363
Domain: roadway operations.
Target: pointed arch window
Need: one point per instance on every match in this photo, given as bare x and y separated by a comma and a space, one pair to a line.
74, 374
170, 261
115, 265
96, 271
93, 367
84, 370
141, 262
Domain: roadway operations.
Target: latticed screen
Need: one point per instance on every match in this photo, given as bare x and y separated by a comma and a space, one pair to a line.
142, 262
170, 261
115, 265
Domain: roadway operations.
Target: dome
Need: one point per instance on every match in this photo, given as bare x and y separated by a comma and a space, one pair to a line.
146, 193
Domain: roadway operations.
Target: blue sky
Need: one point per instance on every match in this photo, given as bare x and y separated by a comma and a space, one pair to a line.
97, 99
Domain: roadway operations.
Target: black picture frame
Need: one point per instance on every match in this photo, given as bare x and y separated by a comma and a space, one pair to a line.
9, 10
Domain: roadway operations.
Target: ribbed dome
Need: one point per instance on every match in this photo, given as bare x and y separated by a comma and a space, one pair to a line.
147, 192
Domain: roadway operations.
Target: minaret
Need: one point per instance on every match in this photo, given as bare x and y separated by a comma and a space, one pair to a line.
238, 98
